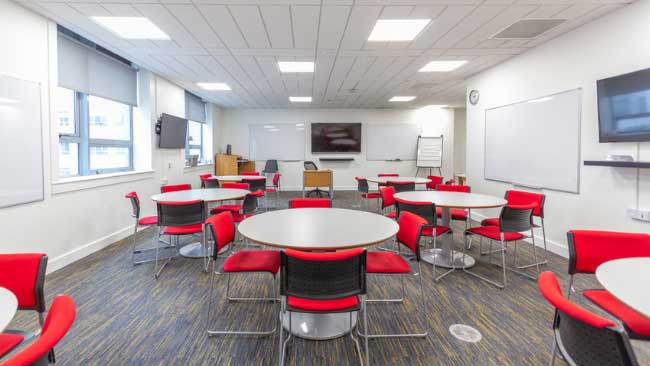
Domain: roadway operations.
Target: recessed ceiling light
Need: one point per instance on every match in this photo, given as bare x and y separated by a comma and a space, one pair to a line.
300, 99
397, 30
269, 126
131, 27
296, 66
442, 66
8, 100
399, 98
214, 86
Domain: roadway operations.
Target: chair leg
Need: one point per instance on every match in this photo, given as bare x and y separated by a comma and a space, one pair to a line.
135, 234
503, 262
536, 263
438, 278
159, 270
355, 340
553, 352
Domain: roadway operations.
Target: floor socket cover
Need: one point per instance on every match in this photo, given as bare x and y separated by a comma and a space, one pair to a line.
465, 333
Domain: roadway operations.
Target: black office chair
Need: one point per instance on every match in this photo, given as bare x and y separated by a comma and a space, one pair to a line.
270, 167
310, 165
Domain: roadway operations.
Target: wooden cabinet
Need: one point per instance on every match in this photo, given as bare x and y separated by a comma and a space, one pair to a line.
232, 165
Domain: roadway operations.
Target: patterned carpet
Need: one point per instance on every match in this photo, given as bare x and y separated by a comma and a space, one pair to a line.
126, 317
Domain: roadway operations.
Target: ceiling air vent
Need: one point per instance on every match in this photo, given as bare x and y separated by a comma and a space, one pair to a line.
528, 28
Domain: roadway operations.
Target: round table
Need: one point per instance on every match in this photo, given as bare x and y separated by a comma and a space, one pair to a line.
445, 256
8, 307
318, 229
627, 280
195, 250
384, 180
235, 178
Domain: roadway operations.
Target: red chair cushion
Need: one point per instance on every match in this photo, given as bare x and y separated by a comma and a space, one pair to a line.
323, 305
183, 230
253, 261
148, 220
238, 217
310, 203
591, 248
386, 262
258, 193
223, 208
428, 230
636, 322
19, 275
370, 195
392, 214
9, 341
492, 232
456, 214
494, 221
270, 190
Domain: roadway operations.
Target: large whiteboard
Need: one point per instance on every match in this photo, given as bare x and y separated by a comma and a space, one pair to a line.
21, 151
535, 143
392, 141
283, 141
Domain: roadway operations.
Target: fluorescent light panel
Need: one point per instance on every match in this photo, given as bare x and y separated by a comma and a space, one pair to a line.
214, 86
400, 98
442, 66
296, 66
300, 99
397, 30
131, 27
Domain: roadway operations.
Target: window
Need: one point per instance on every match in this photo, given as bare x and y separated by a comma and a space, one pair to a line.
194, 144
95, 134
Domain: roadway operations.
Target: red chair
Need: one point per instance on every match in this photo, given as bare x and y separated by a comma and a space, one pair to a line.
388, 201
146, 221
513, 221
175, 188
522, 198
456, 214
40, 352
310, 203
257, 186
276, 185
229, 207
387, 263
204, 177
330, 282
435, 180
589, 249
249, 173
364, 190
221, 228
582, 337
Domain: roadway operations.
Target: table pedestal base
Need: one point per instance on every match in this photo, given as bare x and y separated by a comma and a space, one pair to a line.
445, 260
193, 250
319, 326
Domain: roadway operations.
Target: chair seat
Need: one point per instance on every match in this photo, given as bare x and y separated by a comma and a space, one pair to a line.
428, 230
183, 230
9, 341
370, 195
258, 193
494, 221
392, 215
386, 262
270, 190
300, 303
638, 325
253, 261
148, 220
223, 208
238, 217
456, 214
492, 232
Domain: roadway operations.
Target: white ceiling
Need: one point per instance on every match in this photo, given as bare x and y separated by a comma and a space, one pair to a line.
240, 41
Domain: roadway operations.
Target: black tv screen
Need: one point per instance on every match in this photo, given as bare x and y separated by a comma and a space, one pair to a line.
624, 107
335, 137
173, 132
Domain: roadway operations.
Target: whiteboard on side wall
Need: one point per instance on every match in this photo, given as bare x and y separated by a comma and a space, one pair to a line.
392, 141
430, 152
279, 141
535, 143
21, 145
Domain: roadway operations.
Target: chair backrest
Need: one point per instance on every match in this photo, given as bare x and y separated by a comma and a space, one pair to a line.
250, 173
516, 218
271, 166
388, 175
310, 203
135, 203
583, 337
249, 205
204, 177
276, 179
515, 197
362, 185
235, 185
175, 188
322, 276
211, 183
222, 229
310, 165
435, 180
588, 249
24, 275
255, 184
453, 188
181, 213
401, 186
425, 210
410, 231
387, 196
59, 320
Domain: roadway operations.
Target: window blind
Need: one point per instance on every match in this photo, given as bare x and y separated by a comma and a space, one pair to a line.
194, 108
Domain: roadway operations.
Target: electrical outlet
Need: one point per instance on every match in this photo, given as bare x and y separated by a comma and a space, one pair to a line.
637, 214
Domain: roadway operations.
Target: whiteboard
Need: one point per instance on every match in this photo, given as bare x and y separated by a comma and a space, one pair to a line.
21, 151
429, 152
535, 143
392, 141
279, 141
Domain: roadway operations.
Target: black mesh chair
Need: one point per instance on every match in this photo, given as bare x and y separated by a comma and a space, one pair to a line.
310, 165
331, 282
211, 183
177, 219
364, 193
257, 186
270, 167
401, 186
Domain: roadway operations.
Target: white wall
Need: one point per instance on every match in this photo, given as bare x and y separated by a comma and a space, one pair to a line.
233, 129
460, 140
615, 44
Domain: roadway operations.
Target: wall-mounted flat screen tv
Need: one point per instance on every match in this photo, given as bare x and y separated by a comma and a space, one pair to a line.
335, 137
173, 132
624, 107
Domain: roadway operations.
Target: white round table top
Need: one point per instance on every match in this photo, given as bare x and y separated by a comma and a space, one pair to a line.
383, 180
8, 307
316, 229
236, 178
207, 195
627, 280
453, 199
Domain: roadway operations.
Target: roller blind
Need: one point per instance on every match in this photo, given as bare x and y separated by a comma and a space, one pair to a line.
88, 71
194, 108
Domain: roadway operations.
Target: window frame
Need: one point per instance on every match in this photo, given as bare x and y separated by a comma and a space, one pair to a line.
189, 147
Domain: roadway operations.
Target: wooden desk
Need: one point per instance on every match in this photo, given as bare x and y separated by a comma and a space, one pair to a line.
316, 179
232, 165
